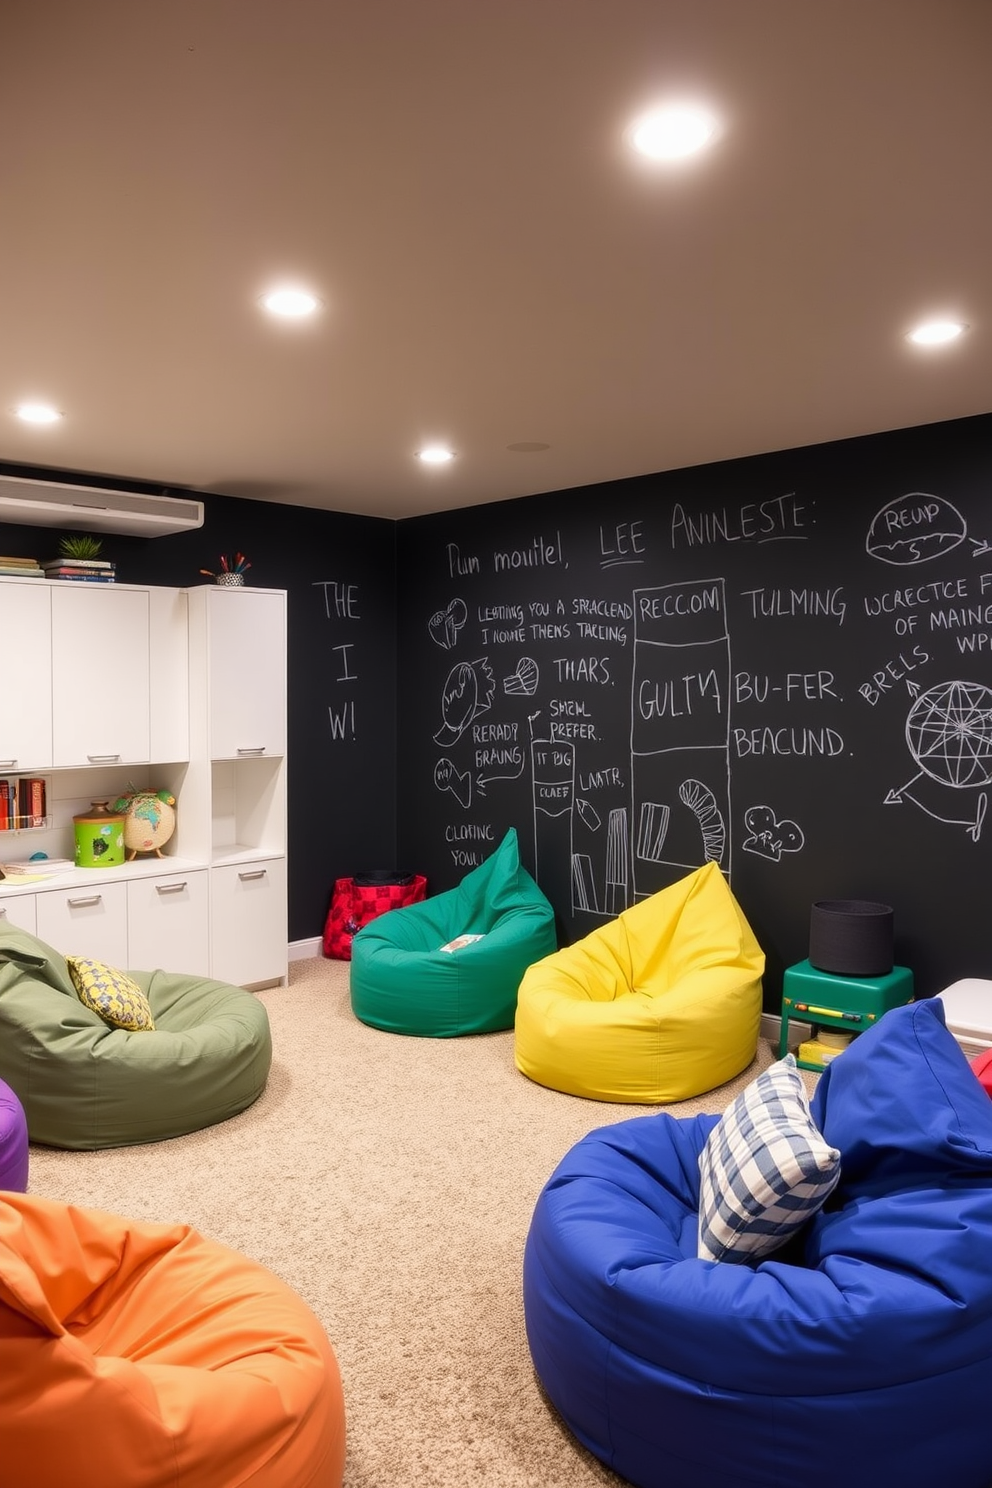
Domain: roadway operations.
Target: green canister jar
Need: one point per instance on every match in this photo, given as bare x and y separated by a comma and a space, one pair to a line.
99, 837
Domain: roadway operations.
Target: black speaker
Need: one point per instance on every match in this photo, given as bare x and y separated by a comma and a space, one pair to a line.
851, 937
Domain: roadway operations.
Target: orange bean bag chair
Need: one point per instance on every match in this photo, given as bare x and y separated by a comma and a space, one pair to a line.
143, 1355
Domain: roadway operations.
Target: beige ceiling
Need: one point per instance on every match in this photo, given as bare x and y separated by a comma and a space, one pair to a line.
450, 176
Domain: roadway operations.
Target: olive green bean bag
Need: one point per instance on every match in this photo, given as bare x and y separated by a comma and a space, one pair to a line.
86, 1084
410, 975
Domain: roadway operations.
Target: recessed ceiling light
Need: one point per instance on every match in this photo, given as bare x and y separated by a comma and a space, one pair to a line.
38, 413
435, 454
291, 304
936, 332
673, 131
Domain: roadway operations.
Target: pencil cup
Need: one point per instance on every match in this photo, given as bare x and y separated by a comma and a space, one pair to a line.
230, 580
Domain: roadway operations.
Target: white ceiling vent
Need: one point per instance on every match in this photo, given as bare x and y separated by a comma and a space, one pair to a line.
94, 509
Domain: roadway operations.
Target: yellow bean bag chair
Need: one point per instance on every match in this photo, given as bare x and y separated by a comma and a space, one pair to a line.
138, 1355
659, 1005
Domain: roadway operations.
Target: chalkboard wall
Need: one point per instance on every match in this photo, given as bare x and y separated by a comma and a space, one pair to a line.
339, 575
783, 664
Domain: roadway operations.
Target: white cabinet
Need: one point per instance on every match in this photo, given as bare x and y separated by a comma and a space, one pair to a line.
19, 910
86, 920
100, 671
243, 637
162, 688
26, 709
168, 923
237, 775
248, 921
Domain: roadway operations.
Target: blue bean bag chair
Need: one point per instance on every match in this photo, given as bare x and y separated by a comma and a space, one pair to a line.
452, 964
858, 1354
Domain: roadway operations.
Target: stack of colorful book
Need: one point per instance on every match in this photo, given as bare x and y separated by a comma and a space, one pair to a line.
20, 568
82, 570
23, 803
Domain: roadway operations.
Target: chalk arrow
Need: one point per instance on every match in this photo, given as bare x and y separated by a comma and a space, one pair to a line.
483, 780
973, 826
895, 796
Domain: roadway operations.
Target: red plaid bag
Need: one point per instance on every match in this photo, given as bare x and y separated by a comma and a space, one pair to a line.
355, 901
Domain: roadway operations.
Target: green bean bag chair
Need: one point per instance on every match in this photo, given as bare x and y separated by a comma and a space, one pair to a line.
415, 970
85, 1083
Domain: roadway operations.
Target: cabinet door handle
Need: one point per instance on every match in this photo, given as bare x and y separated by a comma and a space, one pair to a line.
259, 750
8, 764
85, 903
102, 759
175, 888
258, 873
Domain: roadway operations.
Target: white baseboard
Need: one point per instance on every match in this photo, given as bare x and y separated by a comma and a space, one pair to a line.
302, 950
771, 1029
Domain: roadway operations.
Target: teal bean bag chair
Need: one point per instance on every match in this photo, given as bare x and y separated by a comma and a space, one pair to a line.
86, 1084
404, 977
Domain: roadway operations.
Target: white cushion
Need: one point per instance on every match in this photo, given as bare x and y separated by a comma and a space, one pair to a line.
765, 1169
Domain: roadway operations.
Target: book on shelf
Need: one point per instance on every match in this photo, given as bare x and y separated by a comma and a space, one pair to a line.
7, 560
27, 869
21, 570
80, 575
98, 564
22, 803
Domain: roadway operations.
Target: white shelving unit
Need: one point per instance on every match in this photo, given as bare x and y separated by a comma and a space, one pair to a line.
157, 688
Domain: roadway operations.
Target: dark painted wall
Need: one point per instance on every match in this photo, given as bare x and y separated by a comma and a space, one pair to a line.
339, 572
783, 663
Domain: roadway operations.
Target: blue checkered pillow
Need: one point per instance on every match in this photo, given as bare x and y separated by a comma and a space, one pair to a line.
764, 1170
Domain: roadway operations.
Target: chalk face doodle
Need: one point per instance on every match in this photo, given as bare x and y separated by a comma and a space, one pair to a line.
915, 528
458, 782
468, 692
768, 837
949, 735
444, 625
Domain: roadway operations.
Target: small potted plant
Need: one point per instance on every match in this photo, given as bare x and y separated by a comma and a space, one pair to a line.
79, 558
80, 545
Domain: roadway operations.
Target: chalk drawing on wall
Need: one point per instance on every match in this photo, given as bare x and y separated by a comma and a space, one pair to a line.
949, 735
447, 777
511, 769
915, 528
523, 680
588, 815
702, 803
444, 625
617, 862
553, 786
768, 837
468, 691
680, 732
652, 829
583, 884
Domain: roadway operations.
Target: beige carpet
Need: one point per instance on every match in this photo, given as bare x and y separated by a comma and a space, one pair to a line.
390, 1181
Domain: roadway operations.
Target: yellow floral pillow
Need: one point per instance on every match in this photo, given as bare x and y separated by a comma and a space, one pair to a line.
113, 994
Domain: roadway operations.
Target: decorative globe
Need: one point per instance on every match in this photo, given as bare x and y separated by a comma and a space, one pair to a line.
149, 821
